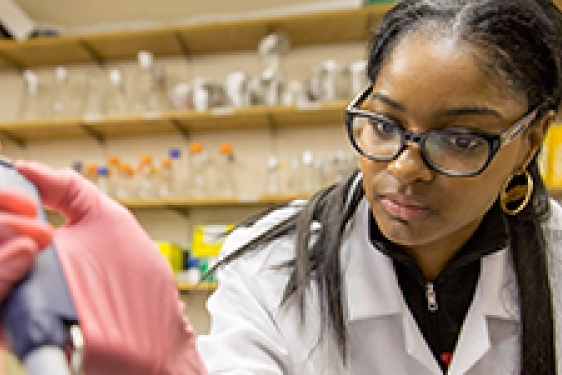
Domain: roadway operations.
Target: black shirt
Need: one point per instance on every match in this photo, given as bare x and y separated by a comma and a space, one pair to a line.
453, 289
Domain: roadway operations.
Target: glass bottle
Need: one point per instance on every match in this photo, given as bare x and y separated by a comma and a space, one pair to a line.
117, 96
125, 188
103, 179
146, 177
166, 179
114, 175
273, 180
308, 172
225, 181
61, 97
178, 171
198, 185
32, 101
143, 81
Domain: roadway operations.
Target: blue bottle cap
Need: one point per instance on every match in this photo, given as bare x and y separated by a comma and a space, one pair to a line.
174, 153
103, 171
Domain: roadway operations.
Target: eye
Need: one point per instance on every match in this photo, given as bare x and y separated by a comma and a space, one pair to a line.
383, 128
462, 143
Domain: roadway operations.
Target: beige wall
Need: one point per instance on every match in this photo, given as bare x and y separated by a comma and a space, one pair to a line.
251, 146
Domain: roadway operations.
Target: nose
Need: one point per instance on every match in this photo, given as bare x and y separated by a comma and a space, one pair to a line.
410, 167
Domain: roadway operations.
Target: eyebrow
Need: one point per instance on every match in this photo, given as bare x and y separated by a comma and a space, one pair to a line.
461, 111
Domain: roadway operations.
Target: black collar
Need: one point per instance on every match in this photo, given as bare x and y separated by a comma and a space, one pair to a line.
490, 236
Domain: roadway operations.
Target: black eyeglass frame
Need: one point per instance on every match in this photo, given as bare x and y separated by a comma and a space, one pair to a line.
495, 141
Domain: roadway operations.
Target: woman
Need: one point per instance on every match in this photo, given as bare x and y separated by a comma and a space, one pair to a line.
434, 257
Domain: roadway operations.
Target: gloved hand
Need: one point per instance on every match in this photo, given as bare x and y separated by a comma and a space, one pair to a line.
22, 236
130, 313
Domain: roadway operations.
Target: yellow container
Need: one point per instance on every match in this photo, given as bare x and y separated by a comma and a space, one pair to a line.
173, 254
207, 239
545, 159
554, 147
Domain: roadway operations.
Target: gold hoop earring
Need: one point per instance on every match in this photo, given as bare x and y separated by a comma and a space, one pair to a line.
516, 193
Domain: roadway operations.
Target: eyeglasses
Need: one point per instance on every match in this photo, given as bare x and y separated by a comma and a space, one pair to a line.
450, 151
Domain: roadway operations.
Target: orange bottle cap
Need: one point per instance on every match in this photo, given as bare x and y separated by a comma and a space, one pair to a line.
195, 147
92, 168
225, 148
146, 159
113, 160
167, 163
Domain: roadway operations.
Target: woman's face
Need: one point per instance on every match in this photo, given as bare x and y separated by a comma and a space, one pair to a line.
430, 84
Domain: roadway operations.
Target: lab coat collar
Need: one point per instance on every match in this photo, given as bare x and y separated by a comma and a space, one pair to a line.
372, 288
372, 291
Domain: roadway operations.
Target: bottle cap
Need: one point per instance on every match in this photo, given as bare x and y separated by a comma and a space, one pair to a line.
174, 153
225, 149
113, 160
195, 147
103, 171
167, 163
145, 159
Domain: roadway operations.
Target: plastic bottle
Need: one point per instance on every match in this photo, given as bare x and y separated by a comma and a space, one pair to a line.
198, 180
146, 177
103, 179
225, 177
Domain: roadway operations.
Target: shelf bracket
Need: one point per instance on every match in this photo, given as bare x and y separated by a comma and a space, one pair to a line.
183, 46
19, 142
179, 210
96, 136
93, 54
183, 131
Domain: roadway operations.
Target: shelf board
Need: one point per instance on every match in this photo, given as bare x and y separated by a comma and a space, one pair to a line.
223, 118
126, 44
46, 51
40, 130
202, 286
318, 114
131, 125
264, 200
328, 27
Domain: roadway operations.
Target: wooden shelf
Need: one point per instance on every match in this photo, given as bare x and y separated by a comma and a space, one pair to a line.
330, 27
321, 114
202, 286
187, 203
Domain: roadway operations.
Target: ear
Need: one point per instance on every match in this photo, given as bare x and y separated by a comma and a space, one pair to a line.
535, 136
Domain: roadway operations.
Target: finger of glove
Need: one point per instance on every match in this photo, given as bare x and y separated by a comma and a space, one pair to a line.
17, 202
62, 190
16, 258
14, 225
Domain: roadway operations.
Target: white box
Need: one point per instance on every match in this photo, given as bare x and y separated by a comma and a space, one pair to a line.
15, 21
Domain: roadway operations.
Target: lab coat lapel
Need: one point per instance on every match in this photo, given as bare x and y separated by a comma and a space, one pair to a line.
372, 289
495, 298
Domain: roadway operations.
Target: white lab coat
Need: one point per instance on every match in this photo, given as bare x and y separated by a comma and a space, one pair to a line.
251, 334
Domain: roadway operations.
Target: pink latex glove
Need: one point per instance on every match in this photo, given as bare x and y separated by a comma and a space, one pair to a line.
124, 291
22, 236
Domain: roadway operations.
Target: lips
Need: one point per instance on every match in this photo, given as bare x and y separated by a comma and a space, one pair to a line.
404, 207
